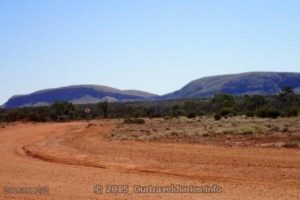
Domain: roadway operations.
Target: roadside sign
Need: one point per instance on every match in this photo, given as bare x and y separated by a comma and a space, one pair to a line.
87, 110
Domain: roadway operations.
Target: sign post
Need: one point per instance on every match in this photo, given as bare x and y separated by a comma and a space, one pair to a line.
87, 112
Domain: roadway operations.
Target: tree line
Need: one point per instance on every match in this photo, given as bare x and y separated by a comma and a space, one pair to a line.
285, 104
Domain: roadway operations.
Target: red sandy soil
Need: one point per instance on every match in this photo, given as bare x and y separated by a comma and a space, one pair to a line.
71, 158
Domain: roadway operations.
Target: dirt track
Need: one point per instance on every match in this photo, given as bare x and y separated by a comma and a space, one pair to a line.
71, 158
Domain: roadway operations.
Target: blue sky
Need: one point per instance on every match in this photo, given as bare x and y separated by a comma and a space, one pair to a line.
156, 45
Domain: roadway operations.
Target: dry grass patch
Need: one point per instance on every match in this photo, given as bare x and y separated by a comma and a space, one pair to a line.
230, 131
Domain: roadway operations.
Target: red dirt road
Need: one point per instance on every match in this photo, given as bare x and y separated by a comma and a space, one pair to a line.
71, 158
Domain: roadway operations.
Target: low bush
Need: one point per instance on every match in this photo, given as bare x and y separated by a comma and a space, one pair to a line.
226, 111
250, 114
266, 112
291, 145
292, 112
192, 115
217, 117
134, 121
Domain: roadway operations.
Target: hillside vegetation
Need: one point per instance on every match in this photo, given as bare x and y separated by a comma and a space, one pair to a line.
285, 104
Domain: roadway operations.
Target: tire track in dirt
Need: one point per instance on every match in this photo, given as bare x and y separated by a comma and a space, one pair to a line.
239, 171
73, 156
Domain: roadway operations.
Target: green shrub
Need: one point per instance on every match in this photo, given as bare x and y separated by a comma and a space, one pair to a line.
192, 115
292, 112
217, 117
266, 112
167, 117
200, 113
134, 121
223, 100
226, 111
250, 114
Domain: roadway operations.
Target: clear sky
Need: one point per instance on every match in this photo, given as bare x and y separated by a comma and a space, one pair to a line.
152, 45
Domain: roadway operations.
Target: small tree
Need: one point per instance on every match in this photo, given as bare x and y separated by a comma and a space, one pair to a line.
287, 90
223, 100
103, 106
62, 111
287, 98
253, 103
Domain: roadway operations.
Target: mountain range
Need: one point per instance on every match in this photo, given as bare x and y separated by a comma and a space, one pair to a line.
263, 83
251, 83
78, 94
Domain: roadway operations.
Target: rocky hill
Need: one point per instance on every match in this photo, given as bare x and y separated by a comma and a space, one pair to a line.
80, 94
264, 83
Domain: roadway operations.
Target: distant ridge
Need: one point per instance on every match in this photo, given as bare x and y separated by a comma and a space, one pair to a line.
250, 83
78, 94
263, 83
